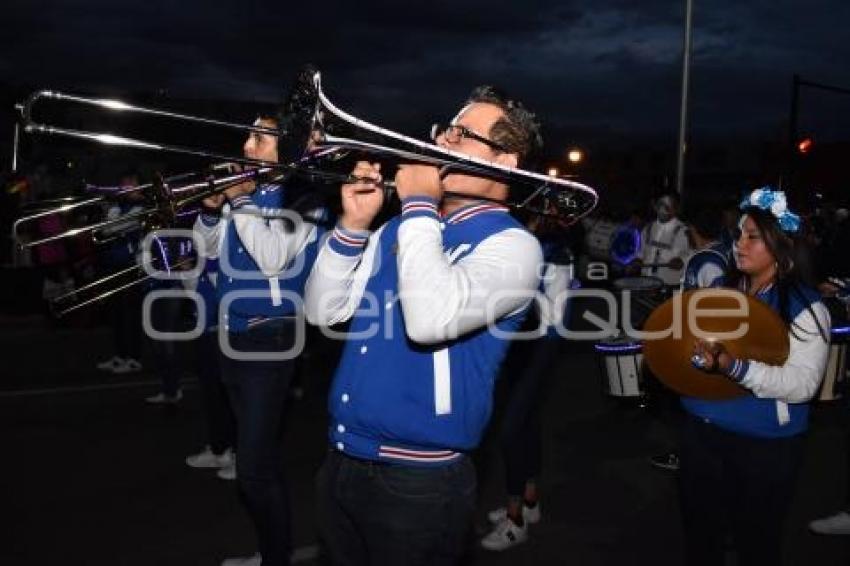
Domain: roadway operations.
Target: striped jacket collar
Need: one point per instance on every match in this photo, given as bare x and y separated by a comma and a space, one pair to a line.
474, 209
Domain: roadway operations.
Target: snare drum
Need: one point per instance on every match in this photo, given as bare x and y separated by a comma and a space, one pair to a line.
836, 367
620, 362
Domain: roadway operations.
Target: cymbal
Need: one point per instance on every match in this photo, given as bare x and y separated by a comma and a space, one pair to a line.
715, 314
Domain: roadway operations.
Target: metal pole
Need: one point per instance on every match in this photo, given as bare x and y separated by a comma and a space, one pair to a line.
683, 110
15, 141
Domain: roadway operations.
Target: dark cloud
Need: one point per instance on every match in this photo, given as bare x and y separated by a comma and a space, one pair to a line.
610, 67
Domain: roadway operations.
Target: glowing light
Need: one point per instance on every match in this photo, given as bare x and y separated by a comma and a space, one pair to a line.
575, 156
553, 172
805, 145
604, 348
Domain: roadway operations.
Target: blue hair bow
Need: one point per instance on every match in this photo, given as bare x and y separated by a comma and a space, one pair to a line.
767, 198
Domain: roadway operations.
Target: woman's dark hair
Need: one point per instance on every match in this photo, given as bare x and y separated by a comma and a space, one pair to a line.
792, 266
518, 130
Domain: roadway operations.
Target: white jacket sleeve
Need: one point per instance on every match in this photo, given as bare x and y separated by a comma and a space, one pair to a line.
338, 279
442, 300
210, 230
796, 381
275, 244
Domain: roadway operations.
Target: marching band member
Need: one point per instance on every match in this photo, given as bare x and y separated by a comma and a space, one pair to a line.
521, 434
711, 257
740, 457
126, 311
430, 296
270, 256
664, 242
218, 413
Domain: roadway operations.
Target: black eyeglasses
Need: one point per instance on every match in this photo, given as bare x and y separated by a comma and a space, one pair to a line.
453, 133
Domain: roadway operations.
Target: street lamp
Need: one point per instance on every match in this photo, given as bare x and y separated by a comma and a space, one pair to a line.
575, 155
553, 172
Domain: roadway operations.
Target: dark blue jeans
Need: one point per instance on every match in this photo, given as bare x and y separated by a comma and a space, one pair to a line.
168, 314
371, 513
522, 433
218, 413
730, 484
258, 393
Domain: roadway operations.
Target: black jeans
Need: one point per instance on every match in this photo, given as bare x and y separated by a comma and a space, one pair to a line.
521, 432
258, 392
735, 485
371, 513
168, 314
218, 413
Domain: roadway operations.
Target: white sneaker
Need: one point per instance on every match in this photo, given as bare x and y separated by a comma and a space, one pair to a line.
255, 560
129, 366
112, 364
163, 399
208, 459
838, 524
529, 514
228, 472
505, 535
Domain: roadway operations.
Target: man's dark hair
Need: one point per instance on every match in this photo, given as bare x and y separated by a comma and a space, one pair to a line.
269, 116
518, 131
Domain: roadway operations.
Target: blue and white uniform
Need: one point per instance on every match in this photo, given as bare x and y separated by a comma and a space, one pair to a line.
414, 385
262, 247
778, 406
706, 265
204, 286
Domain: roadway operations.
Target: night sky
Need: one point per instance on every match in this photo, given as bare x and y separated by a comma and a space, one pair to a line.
606, 70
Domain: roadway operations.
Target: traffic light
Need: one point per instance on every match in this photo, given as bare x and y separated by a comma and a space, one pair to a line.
805, 145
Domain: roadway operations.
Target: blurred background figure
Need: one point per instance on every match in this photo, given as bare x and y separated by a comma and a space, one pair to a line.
664, 244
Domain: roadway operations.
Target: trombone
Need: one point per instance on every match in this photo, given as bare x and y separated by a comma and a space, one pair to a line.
165, 200
311, 130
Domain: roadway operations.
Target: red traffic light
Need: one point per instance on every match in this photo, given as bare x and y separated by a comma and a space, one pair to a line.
805, 145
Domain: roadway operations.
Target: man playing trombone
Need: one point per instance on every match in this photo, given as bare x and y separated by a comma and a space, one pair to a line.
432, 296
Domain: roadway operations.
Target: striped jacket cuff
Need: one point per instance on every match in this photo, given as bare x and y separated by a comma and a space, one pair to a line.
240, 201
415, 207
738, 370
348, 242
210, 219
